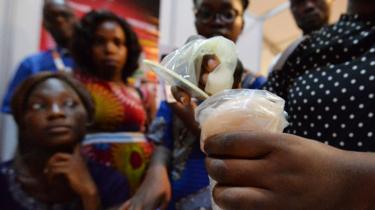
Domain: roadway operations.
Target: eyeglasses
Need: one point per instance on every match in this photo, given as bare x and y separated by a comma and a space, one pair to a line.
226, 16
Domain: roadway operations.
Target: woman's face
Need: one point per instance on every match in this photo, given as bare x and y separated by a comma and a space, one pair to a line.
219, 18
109, 50
55, 116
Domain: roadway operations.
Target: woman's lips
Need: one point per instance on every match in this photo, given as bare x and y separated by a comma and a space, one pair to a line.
59, 129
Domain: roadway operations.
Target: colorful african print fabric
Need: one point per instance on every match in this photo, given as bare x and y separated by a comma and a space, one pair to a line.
117, 138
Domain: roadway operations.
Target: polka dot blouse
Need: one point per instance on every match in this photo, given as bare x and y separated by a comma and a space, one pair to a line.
328, 83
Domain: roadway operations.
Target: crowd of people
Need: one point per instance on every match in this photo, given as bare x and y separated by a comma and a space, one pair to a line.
72, 101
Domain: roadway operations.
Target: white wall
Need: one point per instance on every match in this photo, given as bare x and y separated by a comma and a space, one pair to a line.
20, 22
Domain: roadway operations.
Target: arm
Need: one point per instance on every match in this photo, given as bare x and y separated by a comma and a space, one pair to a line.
281, 171
155, 190
73, 167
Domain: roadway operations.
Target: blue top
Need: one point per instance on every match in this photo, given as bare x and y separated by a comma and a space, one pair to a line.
193, 177
112, 187
42, 61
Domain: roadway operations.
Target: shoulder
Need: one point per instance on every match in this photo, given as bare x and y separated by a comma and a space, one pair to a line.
38, 57
5, 168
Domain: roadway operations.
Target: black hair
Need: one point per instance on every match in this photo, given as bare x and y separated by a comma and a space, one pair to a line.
245, 3
21, 94
83, 41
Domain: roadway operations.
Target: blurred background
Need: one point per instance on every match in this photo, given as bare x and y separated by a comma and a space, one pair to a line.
162, 25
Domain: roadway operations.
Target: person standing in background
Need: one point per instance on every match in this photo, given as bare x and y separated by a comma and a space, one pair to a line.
59, 20
176, 177
310, 16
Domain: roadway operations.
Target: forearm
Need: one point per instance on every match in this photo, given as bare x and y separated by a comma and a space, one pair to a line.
160, 158
91, 200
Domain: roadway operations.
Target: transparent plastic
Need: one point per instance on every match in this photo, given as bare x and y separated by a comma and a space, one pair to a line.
240, 110
187, 61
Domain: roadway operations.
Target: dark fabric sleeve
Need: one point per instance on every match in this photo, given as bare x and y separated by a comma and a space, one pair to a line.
112, 186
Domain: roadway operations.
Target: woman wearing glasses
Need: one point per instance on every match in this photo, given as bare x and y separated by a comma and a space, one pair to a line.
177, 172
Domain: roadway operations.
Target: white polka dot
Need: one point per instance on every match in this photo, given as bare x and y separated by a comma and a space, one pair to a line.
371, 78
360, 125
372, 63
363, 59
343, 107
326, 108
326, 125
370, 115
305, 117
334, 100
359, 144
329, 78
363, 71
352, 98
343, 90
312, 125
316, 80
352, 116
361, 88
319, 117
345, 75
312, 108
334, 117
336, 84
370, 134
334, 135
355, 67
338, 71
342, 143
343, 125
313, 93
305, 133
327, 92
325, 142
353, 81
371, 96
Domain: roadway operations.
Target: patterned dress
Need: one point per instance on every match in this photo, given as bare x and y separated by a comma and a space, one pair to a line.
328, 84
117, 135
